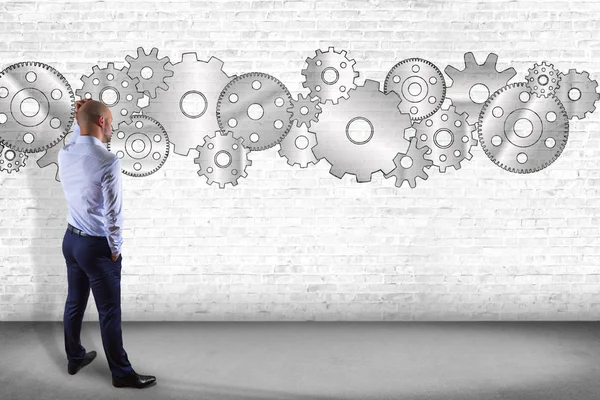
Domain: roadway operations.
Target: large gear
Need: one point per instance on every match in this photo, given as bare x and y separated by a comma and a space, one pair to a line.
255, 106
378, 116
142, 145
475, 80
11, 160
330, 75
415, 164
50, 156
187, 110
449, 137
577, 93
115, 89
297, 146
542, 79
521, 132
159, 69
37, 107
420, 84
304, 110
223, 158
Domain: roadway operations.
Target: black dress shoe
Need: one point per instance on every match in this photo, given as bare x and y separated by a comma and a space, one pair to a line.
134, 380
73, 368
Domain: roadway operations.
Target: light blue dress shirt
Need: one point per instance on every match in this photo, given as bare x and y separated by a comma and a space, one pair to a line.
91, 179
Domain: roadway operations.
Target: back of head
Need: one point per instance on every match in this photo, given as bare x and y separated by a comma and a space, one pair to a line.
90, 111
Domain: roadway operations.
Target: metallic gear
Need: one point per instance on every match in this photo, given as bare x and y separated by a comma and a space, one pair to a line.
521, 132
455, 146
187, 110
542, 79
254, 106
469, 79
577, 93
416, 167
385, 126
304, 110
142, 145
11, 160
50, 156
160, 68
108, 82
222, 144
297, 146
420, 84
37, 107
318, 75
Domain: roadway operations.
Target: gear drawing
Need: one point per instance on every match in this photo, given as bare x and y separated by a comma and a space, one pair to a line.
142, 145
577, 93
145, 64
472, 86
255, 106
542, 79
115, 89
414, 165
449, 137
330, 75
187, 110
223, 158
11, 160
297, 146
367, 113
37, 107
521, 132
50, 156
304, 110
420, 84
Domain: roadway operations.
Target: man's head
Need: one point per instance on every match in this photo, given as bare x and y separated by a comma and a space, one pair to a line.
95, 119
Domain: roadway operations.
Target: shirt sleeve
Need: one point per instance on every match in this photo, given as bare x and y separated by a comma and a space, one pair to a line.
112, 192
76, 132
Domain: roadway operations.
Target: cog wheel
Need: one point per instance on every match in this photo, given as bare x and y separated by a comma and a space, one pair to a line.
142, 145
521, 132
577, 93
11, 160
37, 106
210, 161
472, 86
420, 84
368, 112
297, 146
330, 75
415, 168
50, 156
187, 110
449, 137
542, 79
111, 81
304, 110
159, 68
254, 106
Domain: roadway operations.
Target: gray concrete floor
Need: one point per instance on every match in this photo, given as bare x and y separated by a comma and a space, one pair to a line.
313, 360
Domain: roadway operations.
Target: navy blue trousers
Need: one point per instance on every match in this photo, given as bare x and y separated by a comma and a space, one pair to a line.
89, 265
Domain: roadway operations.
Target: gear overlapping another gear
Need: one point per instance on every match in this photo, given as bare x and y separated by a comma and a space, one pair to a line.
542, 79
11, 160
577, 93
304, 110
158, 68
223, 158
410, 165
50, 156
297, 146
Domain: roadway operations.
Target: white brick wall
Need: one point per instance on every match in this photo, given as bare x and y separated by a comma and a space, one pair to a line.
478, 243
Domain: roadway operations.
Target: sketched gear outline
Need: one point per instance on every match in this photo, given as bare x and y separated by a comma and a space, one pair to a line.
50, 156
294, 153
581, 82
417, 168
542, 79
11, 160
312, 106
160, 70
55, 101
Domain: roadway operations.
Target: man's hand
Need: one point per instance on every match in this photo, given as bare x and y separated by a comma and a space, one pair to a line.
78, 105
115, 258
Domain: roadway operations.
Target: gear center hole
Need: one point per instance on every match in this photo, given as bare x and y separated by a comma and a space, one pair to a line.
443, 138
255, 111
574, 94
406, 162
359, 130
543, 80
415, 89
109, 96
146, 72
193, 104
30, 107
523, 127
222, 159
479, 93
138, 145
330, 75
301, 142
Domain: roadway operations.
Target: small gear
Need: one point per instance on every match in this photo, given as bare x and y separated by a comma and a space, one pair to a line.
159, 69
112, 82
472, 86
542, 79
521, 132
304, 110
11, 160
142, 145
420, 84
37, 107
330, 75
449, 137
50, 156
297, 146
223, 158
577, 93
254, 106
415, 167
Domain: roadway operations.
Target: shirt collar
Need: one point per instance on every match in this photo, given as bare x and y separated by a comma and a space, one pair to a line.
89, 139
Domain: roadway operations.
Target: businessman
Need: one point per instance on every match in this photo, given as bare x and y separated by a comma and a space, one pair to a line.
91, 179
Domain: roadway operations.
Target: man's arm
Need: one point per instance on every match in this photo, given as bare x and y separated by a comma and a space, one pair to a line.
112, 191
76, 132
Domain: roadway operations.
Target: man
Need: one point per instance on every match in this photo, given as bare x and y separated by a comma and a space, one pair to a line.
91, 180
